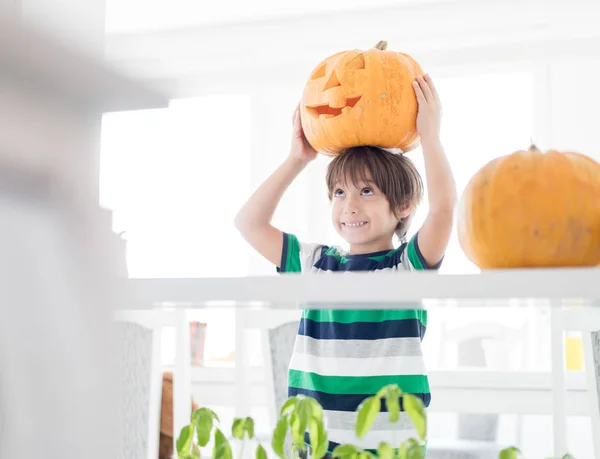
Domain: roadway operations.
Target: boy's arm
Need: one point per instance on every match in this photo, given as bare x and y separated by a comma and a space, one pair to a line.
253, 220
441, 189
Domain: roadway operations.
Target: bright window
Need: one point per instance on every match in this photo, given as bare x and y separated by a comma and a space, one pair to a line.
176, 177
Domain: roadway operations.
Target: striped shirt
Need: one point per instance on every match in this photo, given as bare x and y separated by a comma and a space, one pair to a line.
341, 356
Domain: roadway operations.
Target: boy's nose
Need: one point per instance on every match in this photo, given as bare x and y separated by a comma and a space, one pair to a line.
351, 207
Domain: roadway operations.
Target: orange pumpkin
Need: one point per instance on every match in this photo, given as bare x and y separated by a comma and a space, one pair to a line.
532, 209
358, 98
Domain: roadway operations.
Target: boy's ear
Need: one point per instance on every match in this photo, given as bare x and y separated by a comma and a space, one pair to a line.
404, 212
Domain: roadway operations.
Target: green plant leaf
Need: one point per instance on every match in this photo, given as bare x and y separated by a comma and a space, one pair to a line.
249, 427
296, 429
322, 448
223, 452
416, 411
343, 451
205, 410
509, 453
304, 411
288, 406
318, 438
279, 434
317, 409
392, 401
381, 393
222, 448
184, 441
214, 415
411, 449
367, 413
260, 452
568, 456
203, 420
314, 432
385, 451
237, 428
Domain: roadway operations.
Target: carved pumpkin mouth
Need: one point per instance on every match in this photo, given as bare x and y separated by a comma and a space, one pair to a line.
324, 109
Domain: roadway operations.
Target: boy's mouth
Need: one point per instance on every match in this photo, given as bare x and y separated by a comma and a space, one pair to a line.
354, 224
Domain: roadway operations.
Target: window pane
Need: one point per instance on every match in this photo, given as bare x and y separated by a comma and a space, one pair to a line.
175, 179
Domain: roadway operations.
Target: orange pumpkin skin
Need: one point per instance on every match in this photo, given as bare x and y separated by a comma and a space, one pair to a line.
358, 98
532, 209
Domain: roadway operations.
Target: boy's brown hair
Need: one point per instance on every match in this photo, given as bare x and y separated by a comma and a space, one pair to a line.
394, 174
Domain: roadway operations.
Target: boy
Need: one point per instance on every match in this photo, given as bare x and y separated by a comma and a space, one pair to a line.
343, 356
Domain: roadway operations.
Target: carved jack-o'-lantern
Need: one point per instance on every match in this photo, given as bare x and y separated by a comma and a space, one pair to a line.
362, 98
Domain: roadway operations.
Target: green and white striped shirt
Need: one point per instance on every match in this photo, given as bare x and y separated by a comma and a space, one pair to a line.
342, 356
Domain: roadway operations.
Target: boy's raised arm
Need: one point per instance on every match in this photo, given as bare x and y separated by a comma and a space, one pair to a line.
253, 220
441, 189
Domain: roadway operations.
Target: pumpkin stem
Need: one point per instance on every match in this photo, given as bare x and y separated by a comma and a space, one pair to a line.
533, 146
381, 45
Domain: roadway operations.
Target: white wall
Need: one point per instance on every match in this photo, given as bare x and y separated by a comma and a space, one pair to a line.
236, 56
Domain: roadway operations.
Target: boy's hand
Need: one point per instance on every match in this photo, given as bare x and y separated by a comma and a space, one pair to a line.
430, 109
301, 149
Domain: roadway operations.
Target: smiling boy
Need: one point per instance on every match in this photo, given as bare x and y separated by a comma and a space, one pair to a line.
342, 357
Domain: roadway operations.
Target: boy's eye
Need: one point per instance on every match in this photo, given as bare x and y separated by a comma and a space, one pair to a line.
338, 193
367, 191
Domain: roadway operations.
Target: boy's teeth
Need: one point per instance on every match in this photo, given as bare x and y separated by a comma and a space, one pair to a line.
354, 224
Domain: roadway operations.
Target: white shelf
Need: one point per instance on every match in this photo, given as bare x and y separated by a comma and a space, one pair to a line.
349, 291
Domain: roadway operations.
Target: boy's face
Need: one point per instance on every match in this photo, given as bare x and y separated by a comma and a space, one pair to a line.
361, 214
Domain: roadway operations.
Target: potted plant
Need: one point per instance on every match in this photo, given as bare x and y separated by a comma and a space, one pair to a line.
301, 414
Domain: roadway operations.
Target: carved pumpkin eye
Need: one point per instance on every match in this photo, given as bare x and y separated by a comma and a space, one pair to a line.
320, 72
358, 63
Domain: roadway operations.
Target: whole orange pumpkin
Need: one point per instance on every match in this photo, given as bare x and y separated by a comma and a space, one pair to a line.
358, 98
532, 209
